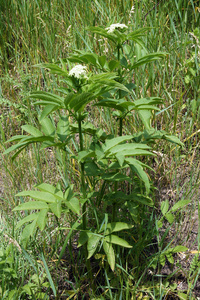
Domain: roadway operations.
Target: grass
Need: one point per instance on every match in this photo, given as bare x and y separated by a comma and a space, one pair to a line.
33, 32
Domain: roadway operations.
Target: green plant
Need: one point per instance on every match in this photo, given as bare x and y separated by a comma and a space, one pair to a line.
113, 180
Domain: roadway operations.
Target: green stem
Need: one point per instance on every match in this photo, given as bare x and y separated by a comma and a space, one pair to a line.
84, 208
120, 134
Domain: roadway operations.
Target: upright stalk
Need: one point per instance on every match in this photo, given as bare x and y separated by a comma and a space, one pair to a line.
84, 208
120, 134
119, 74
82, 176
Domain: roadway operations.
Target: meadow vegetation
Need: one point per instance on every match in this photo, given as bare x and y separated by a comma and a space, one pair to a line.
99, 138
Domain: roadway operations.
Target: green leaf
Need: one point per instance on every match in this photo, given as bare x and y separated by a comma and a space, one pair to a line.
42, 196
113, 239
47, 126
145, 116
102, 60
169, 217
133, 152
113, 64
49, 97
109, 251
170, 258
48, 109
42, 219
180, 204
69, 98
110, 143
102, 32
148, 58
74, 205
82, 155
83, 238
179, 248
116, 177
45, 187
29, 230
142, 199
29, 218
31, 205
54, 69
92, 244
63, 130
128, 147
164, 207
90, 57
56, 208
134, 211
173, 139
136, 167
32, 130
79, 101
115, 227
120, 158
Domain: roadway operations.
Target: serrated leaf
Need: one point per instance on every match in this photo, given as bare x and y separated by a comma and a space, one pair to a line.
49, 97
92, 244
47, 126
74, 205
179, 248
180, 204
56, 208
42, 219
110, 143
29, 230
164, 207
31, 205
127, 147
48, 109
115, 227
83, 238
148, 58
169, 217
32, 130
82, 155
145, 116
136, 167
113, 239
79, 101
29, 218
63, 130
42, 196
173, 139
69, 98
102, 60
109, 251
46, 187
132, 152
113, 64
170, 258
116, 177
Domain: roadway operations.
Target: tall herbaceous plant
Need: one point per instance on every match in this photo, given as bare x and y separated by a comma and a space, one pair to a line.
109, 163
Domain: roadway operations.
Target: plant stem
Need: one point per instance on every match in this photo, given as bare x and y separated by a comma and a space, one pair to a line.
84, 209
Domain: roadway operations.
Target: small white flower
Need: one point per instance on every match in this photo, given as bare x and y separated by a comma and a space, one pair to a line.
78, 71
112, 27
132, 10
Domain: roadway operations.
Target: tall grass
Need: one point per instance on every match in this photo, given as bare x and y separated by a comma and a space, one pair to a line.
33, 32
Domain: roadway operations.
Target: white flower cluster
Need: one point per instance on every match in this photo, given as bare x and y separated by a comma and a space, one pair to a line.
112, 27
78, 71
